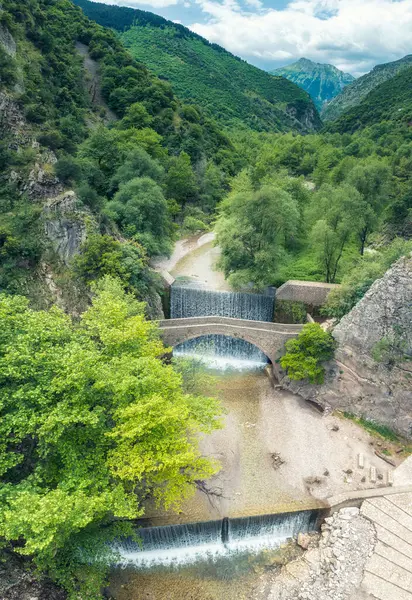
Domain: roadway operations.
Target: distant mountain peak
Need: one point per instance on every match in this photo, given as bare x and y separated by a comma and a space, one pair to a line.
322, 81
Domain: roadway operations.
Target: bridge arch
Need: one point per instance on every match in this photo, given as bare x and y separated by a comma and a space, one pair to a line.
268, 337
254, 345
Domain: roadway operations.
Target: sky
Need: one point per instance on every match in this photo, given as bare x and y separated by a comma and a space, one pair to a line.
353, 35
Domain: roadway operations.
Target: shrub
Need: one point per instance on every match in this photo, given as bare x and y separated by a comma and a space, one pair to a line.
305, 354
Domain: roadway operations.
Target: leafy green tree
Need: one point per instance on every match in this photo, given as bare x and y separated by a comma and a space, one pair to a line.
181, 180
93, 422
305, 354
359, 278
102, 255
141, 210
68, 169
371, 179
137, 164
136, 116
333, 212
253, 231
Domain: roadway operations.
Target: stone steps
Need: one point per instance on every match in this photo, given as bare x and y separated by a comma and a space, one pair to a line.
388, 572
383, 590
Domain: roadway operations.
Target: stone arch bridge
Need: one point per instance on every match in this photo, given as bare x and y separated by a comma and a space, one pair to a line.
268, 337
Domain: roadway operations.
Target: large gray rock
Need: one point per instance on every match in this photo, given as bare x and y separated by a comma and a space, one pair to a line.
386, 307
7, 41
357, 383
65, 225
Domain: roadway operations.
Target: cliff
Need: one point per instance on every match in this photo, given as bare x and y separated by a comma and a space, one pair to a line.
372, 374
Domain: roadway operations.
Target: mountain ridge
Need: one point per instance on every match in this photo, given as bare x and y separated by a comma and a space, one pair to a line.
227, 87
389, 101
355, 92
322, 81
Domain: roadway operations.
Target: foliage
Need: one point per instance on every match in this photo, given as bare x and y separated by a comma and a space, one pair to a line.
92, 422
140, 209
254, 230
287, 311
361, 276
228, 88
392, 349
180, 180
305, 354
102, 255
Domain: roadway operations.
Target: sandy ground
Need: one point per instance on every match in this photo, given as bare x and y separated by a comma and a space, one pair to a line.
262, 422
182, 248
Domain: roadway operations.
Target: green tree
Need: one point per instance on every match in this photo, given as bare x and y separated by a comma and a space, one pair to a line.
333, 212
93, 422
253, 231
137, 164
136, 116
305, 354
371, 179
141, 210
180, 180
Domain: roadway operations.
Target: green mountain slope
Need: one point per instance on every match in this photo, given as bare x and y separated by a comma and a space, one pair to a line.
389, 101
322, 82
354, 93
229, 88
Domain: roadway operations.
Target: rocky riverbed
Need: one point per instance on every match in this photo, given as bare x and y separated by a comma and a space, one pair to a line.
331, 571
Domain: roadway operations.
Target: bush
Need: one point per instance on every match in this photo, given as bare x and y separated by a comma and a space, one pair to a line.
67, 169
305, 354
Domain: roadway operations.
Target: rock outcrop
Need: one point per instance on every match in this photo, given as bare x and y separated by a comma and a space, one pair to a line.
333, 570
19, 582
65, 225
7, 41
355, 381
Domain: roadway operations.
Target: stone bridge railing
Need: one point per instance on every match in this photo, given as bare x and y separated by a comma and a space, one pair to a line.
268, 337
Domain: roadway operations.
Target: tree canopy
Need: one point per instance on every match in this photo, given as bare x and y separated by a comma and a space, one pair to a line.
92, 423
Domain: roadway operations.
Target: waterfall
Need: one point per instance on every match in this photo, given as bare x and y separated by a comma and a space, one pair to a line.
195, 542
194, 300
190, 299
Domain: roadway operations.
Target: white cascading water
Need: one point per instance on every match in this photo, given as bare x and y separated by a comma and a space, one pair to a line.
177, 545
190, 299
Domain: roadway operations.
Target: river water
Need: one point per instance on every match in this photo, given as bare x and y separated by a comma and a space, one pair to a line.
270, 446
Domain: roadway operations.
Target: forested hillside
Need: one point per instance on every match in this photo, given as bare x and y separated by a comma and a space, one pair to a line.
322, 82
390, 101
228, 88
354, 93
101, 165
159, 156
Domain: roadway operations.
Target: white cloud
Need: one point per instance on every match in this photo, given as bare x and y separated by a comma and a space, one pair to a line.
140, 3
354, 35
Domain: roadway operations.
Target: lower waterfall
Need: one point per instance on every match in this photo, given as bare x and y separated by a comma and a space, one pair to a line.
195, 542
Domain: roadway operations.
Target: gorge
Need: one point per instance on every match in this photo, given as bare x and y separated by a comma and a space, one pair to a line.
269, 488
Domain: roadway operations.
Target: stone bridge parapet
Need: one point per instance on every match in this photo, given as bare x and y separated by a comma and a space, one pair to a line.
268, 337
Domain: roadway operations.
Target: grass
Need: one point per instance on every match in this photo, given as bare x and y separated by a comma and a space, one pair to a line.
380, 431
374, 428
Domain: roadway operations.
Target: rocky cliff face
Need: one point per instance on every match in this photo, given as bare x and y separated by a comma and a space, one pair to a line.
65, 225
356, 382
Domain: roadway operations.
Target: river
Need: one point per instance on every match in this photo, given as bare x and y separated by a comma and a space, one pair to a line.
277, 454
